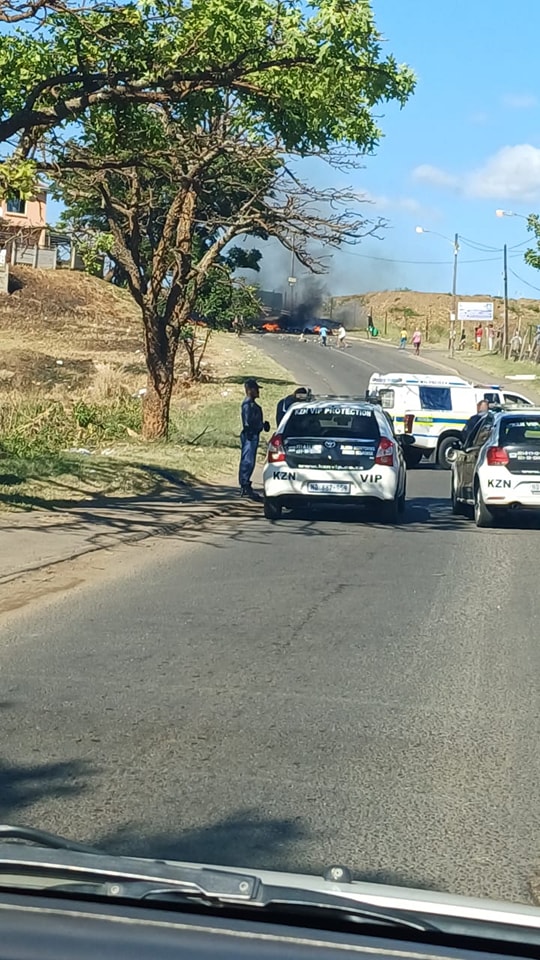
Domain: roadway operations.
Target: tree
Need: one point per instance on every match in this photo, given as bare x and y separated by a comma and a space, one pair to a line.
182, 118
312, 73
174, 216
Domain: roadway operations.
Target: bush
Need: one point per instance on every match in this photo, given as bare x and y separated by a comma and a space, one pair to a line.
34, 426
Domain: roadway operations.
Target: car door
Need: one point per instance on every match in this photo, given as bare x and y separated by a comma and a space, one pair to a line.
470, 454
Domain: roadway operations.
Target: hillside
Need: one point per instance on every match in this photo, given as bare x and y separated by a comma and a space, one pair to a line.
430, 310
58, 327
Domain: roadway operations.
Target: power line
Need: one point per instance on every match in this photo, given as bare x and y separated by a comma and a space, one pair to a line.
521, 280
476, 245
367, 256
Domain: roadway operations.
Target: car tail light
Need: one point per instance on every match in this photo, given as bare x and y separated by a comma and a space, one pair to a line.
276, 450
408, 422
497, 457
385, 453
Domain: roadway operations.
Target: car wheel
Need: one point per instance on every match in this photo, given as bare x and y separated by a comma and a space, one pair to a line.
402, 499
457, 507
483, 516
412, 457
448, 443
389, 510
272, 508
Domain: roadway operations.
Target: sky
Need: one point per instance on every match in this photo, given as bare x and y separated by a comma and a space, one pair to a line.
467, 143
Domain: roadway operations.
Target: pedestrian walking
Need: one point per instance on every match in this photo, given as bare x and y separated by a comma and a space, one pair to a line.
323, 335
491, 337
300, 395
403, 339
416, 341
462, 340
341, 334
252, 427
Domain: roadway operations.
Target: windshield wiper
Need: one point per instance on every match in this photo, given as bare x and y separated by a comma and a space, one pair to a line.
49, 863
42, 838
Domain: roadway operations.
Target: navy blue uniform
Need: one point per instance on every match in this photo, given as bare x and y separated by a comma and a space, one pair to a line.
283, 406
252, 426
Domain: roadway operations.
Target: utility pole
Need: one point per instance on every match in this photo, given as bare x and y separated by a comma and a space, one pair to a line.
292, 281
505, 277
454, 298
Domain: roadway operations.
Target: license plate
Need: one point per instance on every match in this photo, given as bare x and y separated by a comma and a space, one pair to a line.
329, 488
535, 487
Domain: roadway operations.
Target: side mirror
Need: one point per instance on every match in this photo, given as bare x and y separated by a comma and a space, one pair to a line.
406, 439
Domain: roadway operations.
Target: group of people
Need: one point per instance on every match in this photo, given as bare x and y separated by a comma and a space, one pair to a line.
253, 424
340, 333
416, 340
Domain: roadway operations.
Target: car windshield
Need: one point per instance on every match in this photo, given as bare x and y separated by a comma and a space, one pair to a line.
270, 599
520, 430
344, 422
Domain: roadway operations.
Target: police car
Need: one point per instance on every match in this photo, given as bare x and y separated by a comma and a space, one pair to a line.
499, 470
335, 450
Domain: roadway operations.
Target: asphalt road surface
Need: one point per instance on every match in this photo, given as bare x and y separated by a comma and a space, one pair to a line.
295, 694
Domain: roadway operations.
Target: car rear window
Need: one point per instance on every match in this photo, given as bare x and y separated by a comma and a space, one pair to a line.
520, 430
435, 398
336, 422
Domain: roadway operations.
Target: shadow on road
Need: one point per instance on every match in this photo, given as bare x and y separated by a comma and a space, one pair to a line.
242, 839
22, 785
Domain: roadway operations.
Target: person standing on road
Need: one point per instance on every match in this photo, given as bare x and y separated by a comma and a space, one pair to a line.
341, 334
300, 395
252, 427
403, 339
490, 336
462, 340
416, 341
323, 335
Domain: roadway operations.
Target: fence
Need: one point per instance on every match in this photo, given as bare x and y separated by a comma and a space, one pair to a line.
42, 257
4, 276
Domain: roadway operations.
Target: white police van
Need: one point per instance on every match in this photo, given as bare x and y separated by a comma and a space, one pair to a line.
431, 408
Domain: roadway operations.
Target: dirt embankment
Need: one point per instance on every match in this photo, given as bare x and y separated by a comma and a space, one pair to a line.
430, 311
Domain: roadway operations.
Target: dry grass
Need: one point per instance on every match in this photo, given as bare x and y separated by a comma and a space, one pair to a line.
71, 368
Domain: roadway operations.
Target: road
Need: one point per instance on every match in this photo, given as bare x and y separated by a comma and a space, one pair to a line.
295, 694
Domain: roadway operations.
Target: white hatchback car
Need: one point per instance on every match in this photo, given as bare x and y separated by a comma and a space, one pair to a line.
499, 468
335, 450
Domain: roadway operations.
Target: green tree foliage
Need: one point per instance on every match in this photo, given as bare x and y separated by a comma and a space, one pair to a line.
532, 255
312, 73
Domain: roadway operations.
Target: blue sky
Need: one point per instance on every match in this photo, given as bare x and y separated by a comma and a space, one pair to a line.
467, 143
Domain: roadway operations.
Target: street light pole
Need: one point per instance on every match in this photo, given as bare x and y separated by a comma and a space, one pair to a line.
505, 276
292, 281
454, 298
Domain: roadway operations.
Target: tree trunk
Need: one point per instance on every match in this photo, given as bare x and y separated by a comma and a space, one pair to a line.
156, 405
161, 343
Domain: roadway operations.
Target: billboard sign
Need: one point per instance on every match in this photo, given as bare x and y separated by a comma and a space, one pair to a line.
481, 311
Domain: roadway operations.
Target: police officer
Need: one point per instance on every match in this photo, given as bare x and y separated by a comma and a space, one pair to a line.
252, 427
482, 407
300, 395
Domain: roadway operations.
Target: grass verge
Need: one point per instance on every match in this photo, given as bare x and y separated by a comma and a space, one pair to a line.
60, 450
